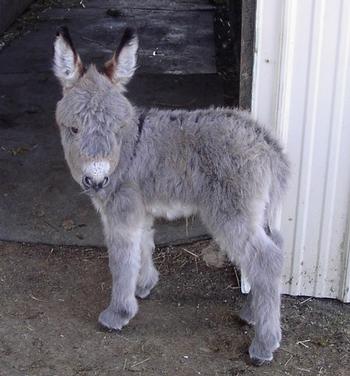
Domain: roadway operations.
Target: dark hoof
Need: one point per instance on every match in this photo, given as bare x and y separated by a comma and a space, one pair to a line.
105, 329
118, 316
256, 362
143, 291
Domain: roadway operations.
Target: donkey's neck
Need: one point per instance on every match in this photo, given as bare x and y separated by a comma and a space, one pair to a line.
130, 139
130, 136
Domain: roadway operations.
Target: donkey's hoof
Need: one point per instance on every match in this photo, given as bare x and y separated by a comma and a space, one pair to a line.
258, 355
246, 318
256, 362
116, 318
143, 290
112, 320
246, 313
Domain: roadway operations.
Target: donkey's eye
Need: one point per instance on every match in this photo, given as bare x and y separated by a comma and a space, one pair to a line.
74, 130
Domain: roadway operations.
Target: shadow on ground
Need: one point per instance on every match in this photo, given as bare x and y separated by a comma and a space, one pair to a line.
51, 298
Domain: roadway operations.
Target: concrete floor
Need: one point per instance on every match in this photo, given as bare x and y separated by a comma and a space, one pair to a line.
177, 69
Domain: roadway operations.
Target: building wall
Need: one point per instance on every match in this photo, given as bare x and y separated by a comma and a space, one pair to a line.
301, 89
10, 10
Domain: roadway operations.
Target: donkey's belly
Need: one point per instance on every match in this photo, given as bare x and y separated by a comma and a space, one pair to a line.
171, 211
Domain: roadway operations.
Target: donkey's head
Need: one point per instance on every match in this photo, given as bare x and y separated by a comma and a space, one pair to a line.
93, 110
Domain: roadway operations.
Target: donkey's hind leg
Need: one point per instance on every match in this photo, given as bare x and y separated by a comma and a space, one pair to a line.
246, 314
262, 262
261, 259
148, 274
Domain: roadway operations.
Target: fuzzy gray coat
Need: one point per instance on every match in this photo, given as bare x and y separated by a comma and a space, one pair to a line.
139, 165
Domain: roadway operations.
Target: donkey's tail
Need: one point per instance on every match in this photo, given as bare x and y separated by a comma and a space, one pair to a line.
280, 172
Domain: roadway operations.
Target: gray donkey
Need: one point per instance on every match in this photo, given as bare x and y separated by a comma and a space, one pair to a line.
138, 165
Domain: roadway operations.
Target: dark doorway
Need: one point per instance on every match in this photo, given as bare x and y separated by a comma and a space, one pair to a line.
234, 26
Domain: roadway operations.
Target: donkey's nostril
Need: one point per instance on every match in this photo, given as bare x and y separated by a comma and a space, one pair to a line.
87, 181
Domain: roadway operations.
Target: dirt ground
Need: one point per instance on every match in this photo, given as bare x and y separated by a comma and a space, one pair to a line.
51, 297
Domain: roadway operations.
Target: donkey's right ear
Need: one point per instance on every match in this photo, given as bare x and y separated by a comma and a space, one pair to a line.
67, 65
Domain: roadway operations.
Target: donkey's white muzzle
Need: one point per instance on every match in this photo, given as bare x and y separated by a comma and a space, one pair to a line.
96, 174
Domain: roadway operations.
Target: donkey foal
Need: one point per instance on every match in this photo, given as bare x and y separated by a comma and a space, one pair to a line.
138, 165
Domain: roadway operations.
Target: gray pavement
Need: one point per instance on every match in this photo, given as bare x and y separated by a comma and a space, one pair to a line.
39, 202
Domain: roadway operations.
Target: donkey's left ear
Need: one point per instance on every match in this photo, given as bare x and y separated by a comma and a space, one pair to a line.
122, 66
67, 65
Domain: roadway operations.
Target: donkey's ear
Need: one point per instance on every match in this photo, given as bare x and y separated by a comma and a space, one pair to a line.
66, 63
122, 66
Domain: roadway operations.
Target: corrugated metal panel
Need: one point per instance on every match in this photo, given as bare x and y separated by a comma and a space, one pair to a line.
308, 103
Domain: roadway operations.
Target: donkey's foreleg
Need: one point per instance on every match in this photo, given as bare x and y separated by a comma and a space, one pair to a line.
148, 274
124, 262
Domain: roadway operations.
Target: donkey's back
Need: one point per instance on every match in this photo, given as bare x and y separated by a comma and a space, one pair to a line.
209, 158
